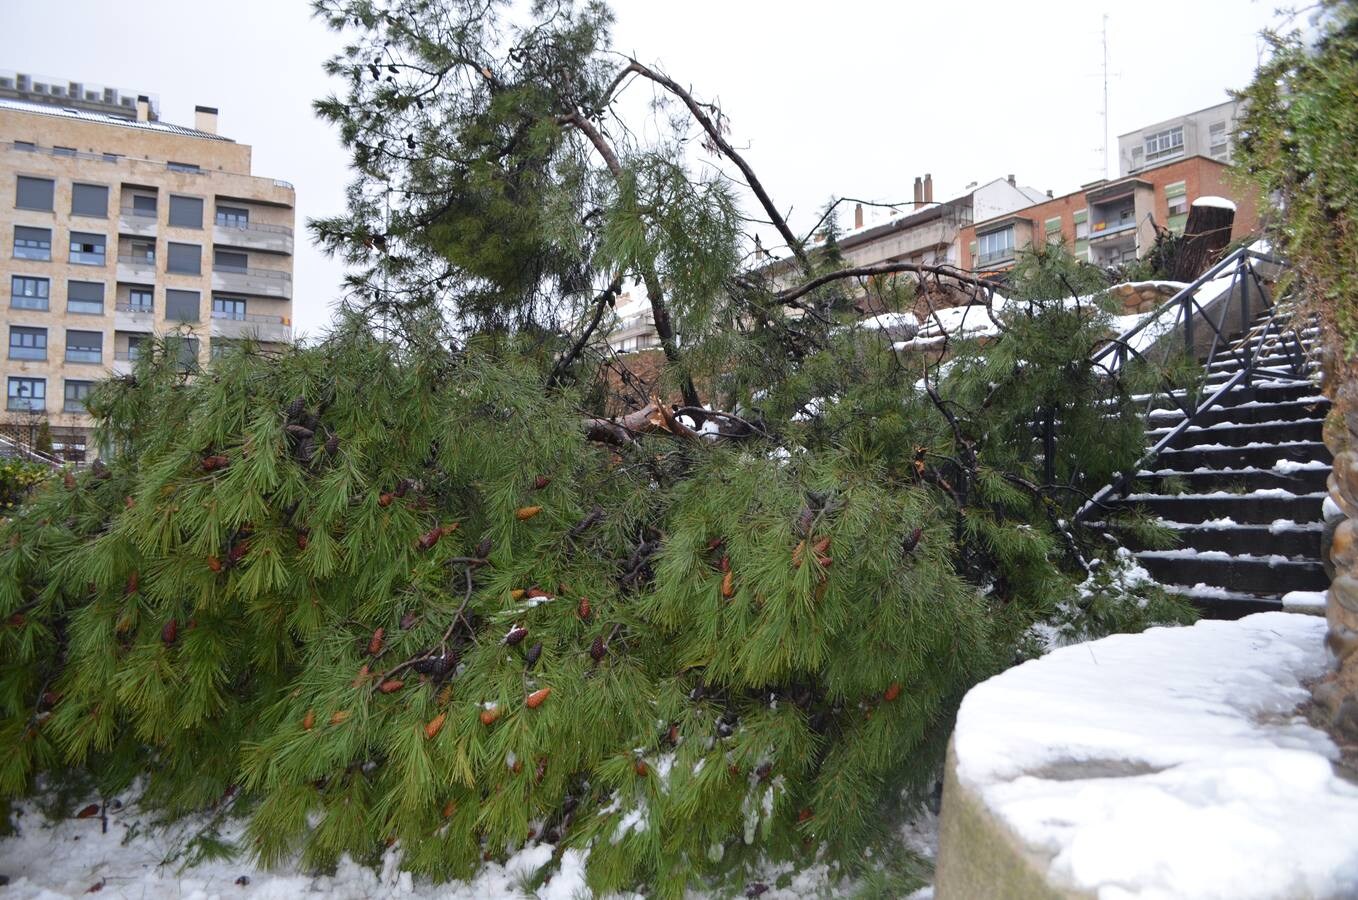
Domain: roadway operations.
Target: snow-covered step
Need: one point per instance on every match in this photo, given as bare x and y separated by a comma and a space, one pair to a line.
1268, 392
1250, 411
1242, 434
1280, 374
1259, 507
1297, 477
1263, 455
1215, 602
1283, 536
1256, 574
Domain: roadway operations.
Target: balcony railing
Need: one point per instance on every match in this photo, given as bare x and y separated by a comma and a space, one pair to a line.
146, 308
986, 259
137, 259
27, 404
127, 355
32, 353
222, 315
73, 406
42, 254
88, 259
19, 301
271, 274
84, 356
1103, 229
134, 213
259, 227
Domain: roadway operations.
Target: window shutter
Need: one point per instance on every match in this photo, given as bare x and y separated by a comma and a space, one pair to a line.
34, 193
89, 200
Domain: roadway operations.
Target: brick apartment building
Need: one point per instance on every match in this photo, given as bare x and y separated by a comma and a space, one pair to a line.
1109, 222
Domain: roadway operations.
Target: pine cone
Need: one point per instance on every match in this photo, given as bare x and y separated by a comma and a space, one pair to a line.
892, 692
597, 649
912, 540
88, 812
429, 538
296, 408
403, 487
536, 592
641, 768
375, 643
448, 809
483, 549
516, 635
516, 593
536, 698
309, 720
361, 678
408, 621
728, 585
540, 770
340, 717
302, 540
384, 499
133, 582
584, 609
69, 481
524, 513
301, 432
169, 632
531, 657
391, 685
488, 716
805, 815
332, 445
541, 482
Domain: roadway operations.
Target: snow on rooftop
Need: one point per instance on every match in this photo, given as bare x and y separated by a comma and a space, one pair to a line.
1219, 202
1169, 763
66, 112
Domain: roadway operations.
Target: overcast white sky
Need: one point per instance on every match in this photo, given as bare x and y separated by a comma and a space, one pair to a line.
852, 98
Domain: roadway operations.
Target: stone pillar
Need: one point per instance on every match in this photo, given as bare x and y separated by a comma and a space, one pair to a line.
1337, 695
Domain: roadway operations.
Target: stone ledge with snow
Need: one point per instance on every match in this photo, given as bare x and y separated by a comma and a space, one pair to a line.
1172, 763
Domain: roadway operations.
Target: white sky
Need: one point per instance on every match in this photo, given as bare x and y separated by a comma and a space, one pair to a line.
852, 98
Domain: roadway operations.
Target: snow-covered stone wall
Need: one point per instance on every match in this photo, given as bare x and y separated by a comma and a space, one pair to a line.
1172, 763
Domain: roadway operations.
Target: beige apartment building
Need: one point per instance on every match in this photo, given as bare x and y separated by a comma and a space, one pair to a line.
119, 227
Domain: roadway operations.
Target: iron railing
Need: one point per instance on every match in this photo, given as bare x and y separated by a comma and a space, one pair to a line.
1185, 324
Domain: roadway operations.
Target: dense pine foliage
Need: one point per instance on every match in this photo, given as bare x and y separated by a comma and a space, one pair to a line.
410, 589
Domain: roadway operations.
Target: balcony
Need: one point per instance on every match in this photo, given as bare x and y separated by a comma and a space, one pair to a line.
84, 356
27, 353
258, 282
123, 361
139, 222
267, 329
128, 317
253, 236
138, 267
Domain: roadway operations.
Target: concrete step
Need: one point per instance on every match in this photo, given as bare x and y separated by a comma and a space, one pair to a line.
1256, 508
1247, 574
1232, 434
1291, 540
1188, 459
1263, 393
1298, 481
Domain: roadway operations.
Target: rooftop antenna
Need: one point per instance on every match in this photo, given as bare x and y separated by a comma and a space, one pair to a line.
1106, 173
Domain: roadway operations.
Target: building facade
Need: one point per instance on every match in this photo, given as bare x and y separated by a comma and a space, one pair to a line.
1109, 222
1208, 132
120, 227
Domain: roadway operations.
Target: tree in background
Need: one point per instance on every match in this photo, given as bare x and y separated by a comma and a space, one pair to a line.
410, 588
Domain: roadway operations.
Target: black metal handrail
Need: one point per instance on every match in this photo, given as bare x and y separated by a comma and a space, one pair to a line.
1244, 347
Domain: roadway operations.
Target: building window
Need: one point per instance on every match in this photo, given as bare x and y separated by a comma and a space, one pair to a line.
182, 167
63, 151
89, 200
226, 261
77, 392
27, 343
26, 146
1176, 204
34, 193
84, 346
32, 243
228, 308
133, 348
996, 245
185, 350
85, 297
186, 259
143, 206
1218, 142
233, 216
219, 348
27, 394
1052, 227
181, 306
87, 249
111, 157
140, 300
28, 293
141, 252
1165, 143
186, 212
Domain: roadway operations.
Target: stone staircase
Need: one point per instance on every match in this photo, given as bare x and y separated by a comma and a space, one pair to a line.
1244, 486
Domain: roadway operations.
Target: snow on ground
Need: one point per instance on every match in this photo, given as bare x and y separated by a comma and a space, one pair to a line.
64, 861
1169, 763
1305, 601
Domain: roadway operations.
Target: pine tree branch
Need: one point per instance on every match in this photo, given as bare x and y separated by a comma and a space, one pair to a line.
699, 112
892, 268
601, 303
